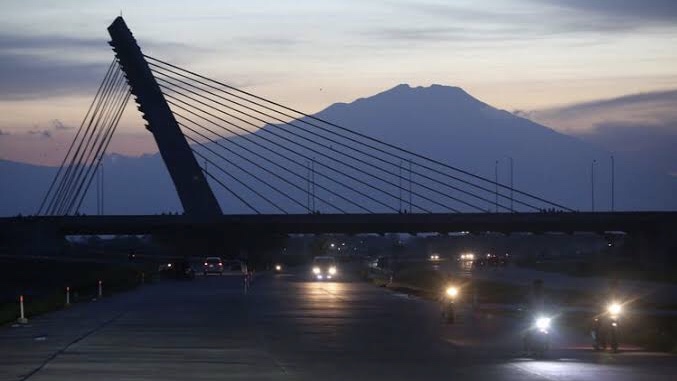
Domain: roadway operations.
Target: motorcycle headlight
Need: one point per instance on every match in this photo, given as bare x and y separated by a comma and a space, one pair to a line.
316, 270
332, 270
452, 292
614, 308
543, 323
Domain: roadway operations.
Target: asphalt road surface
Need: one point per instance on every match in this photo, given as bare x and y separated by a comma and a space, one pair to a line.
289, 328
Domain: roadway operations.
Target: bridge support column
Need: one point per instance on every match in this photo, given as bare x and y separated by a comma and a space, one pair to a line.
192, 187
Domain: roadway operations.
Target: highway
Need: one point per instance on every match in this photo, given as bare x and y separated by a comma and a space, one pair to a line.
288, 328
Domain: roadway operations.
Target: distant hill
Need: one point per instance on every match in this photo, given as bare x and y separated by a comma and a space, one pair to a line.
442, 122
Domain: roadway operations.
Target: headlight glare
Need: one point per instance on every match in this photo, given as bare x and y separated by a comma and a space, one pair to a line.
543, 323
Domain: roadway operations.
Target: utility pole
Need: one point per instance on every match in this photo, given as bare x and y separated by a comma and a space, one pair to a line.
613, 180
512, 167
410, 187
592, 184
496, 183
400, 184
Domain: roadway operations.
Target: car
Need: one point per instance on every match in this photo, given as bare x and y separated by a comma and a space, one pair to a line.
213, 265
324, 268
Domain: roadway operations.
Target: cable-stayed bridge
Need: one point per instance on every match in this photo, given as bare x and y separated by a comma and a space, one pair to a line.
293, 172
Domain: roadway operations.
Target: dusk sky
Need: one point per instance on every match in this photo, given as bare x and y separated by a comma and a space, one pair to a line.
515, 54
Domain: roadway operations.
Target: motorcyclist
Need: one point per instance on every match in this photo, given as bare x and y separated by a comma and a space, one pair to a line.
535, 307
602, 319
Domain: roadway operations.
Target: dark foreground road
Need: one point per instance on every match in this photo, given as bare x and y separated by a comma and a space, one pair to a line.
286, 328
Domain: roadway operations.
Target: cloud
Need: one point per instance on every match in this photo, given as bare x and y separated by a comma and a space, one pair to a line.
37, 66
525, 19
33, 67
58, 125
657, 108
643, 126
41, 133
636, 12
4, 133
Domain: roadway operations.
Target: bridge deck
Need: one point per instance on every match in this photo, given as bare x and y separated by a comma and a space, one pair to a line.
354, 223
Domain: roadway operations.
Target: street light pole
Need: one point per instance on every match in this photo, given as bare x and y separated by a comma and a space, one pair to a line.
400, 186
613, 180
512, 167
496, 183
592, 184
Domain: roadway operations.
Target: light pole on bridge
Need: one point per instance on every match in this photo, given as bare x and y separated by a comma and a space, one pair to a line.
592, 184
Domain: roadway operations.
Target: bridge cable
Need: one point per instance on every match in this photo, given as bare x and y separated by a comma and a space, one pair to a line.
79, 161
329, 139
391, 146
250, 206
244, 158
238, 167
116, 107
76, 163
70, 147
325, 146
303, 155
257, 154
68, 176
248, 138
101, 150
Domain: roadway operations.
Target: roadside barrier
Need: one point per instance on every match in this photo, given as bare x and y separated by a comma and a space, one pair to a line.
22, 317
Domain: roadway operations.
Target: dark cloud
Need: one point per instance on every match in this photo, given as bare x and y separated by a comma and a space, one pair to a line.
643, 126
50, 66
635, 11
530, 19
647, 101
31, 77
32, 42
40, 66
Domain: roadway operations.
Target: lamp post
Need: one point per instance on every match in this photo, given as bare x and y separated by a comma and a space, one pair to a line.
613, 180
592, 184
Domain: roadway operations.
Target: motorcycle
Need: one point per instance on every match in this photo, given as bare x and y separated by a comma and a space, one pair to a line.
449, 304
537, 337
605, 329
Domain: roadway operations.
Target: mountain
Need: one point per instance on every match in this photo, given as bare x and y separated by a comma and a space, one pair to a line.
442, 122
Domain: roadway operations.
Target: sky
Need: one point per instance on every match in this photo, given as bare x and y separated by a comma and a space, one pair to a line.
526, 55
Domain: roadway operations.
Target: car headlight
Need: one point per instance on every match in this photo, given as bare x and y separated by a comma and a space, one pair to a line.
452, 292
278, 267
316, 270
614, 308
543, 323
332, 270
